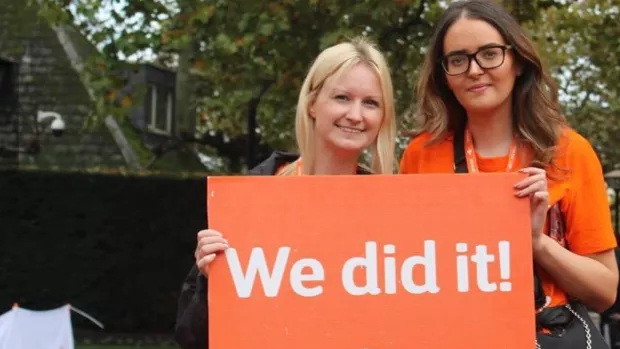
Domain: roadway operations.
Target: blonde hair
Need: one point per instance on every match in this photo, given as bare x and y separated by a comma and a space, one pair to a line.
334, 61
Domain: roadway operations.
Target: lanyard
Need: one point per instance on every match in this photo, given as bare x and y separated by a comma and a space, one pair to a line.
298, 168
470, 154
298, 171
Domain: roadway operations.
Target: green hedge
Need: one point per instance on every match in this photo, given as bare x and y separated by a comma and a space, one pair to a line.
116, 247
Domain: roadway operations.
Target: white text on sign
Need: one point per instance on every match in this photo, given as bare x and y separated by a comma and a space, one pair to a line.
308, 284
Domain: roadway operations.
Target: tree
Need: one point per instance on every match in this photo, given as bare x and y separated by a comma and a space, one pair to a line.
234, 57
260, 43
579, 43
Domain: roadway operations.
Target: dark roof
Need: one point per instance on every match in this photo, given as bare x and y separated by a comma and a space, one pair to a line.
48, 82
56, 53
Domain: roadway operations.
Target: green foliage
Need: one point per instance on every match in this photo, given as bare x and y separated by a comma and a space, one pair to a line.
580, 44
277, 41
240, 46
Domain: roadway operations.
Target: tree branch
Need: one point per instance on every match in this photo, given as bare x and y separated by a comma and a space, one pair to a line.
252, 141
416, 19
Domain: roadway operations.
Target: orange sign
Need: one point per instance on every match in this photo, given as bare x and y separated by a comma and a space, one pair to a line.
371, 262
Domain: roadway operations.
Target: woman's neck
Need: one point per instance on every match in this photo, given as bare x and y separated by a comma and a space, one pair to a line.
491, 133
328, 162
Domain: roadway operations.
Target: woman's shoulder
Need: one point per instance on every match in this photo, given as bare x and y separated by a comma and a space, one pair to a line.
574, 150
427, 142
275, 162
425, 150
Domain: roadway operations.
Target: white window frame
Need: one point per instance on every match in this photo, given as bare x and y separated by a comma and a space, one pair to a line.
152, 124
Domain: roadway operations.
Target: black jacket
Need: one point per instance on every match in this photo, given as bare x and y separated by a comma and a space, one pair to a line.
190, 331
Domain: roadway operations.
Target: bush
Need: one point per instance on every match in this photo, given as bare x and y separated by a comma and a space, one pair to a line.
116, 247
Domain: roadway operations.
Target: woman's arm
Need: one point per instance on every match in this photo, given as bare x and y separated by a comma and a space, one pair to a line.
591, 278
190, 331
586, 268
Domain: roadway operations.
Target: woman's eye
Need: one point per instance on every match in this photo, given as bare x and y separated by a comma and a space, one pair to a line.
372, 103
456, 61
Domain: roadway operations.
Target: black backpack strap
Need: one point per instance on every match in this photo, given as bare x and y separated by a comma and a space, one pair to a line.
460, 162
540, 298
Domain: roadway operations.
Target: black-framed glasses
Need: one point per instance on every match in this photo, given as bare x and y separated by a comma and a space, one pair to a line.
488, 57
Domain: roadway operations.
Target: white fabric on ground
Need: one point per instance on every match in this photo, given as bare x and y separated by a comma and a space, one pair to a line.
30, 329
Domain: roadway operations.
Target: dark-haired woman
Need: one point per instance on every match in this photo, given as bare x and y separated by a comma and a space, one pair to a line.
485, 104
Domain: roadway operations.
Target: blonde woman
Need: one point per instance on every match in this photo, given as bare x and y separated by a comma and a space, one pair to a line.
345, 107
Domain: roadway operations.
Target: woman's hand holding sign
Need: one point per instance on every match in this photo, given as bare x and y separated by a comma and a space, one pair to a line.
535, 186
591, 277
210, 242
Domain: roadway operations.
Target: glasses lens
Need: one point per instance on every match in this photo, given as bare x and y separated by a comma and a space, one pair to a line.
456, 64
490, 57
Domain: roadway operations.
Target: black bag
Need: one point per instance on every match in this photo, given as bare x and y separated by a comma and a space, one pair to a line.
570, 326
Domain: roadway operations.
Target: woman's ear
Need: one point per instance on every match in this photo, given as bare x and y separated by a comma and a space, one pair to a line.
311, 111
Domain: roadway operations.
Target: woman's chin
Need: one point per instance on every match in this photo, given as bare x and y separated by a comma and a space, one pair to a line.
481, 107
353, 147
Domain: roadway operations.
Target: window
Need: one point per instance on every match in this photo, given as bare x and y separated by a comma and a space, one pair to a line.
8, 90
161, 110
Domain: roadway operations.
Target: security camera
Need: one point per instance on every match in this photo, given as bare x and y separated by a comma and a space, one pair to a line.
57, 125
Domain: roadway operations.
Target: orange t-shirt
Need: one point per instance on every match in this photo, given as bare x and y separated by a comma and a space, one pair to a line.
581, 190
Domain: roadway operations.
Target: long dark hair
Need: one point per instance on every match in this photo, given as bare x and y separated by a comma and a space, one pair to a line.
537, 116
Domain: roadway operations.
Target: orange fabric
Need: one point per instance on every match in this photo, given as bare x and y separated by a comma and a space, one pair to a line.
472, 159
581, 189
280, 169
298, 169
